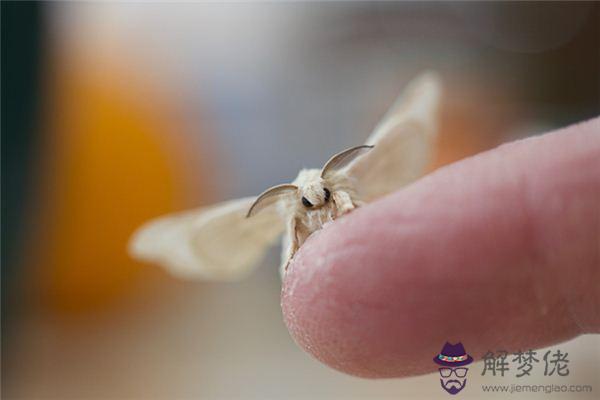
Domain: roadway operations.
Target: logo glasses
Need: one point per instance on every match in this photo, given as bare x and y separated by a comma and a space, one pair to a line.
459, 372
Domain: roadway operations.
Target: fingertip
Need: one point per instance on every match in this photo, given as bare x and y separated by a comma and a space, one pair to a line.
459, 256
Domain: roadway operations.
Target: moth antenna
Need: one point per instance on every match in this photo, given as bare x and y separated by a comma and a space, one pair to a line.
270, 196
344, 158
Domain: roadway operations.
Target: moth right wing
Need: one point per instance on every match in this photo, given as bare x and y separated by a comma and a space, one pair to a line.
212, 243
403, 141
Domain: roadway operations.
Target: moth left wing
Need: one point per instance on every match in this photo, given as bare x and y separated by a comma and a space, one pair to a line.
403, 141
212, 243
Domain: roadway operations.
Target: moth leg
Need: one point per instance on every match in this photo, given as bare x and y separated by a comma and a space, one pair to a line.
297, 234
358, 203
343, 201
292, 245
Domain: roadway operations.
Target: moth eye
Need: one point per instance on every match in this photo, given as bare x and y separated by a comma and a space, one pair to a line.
327, 194
306, 203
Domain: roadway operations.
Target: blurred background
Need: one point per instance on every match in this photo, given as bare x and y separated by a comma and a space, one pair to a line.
115, 113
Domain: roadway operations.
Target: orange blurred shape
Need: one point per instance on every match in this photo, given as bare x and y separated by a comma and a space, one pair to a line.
112, 161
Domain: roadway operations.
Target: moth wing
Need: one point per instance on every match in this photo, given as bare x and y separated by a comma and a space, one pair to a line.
403, 141
211, 243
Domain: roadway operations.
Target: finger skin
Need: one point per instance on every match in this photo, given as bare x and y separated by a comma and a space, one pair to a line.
499, 251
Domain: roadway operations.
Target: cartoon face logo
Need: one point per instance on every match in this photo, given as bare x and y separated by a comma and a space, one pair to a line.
453, 373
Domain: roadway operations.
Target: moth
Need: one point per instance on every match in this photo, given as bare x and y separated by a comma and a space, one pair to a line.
227, 240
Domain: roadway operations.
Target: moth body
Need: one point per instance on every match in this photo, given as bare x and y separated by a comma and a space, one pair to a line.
317, 200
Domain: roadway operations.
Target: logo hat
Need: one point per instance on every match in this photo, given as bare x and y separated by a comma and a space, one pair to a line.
453, 355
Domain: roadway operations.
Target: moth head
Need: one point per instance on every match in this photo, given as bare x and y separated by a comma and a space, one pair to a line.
272, 196
311, 187
343, 159
313, 191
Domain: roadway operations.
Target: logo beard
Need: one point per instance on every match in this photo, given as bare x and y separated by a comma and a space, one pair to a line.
453, 386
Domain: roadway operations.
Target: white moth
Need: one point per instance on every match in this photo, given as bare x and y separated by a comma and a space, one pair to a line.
226, 241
